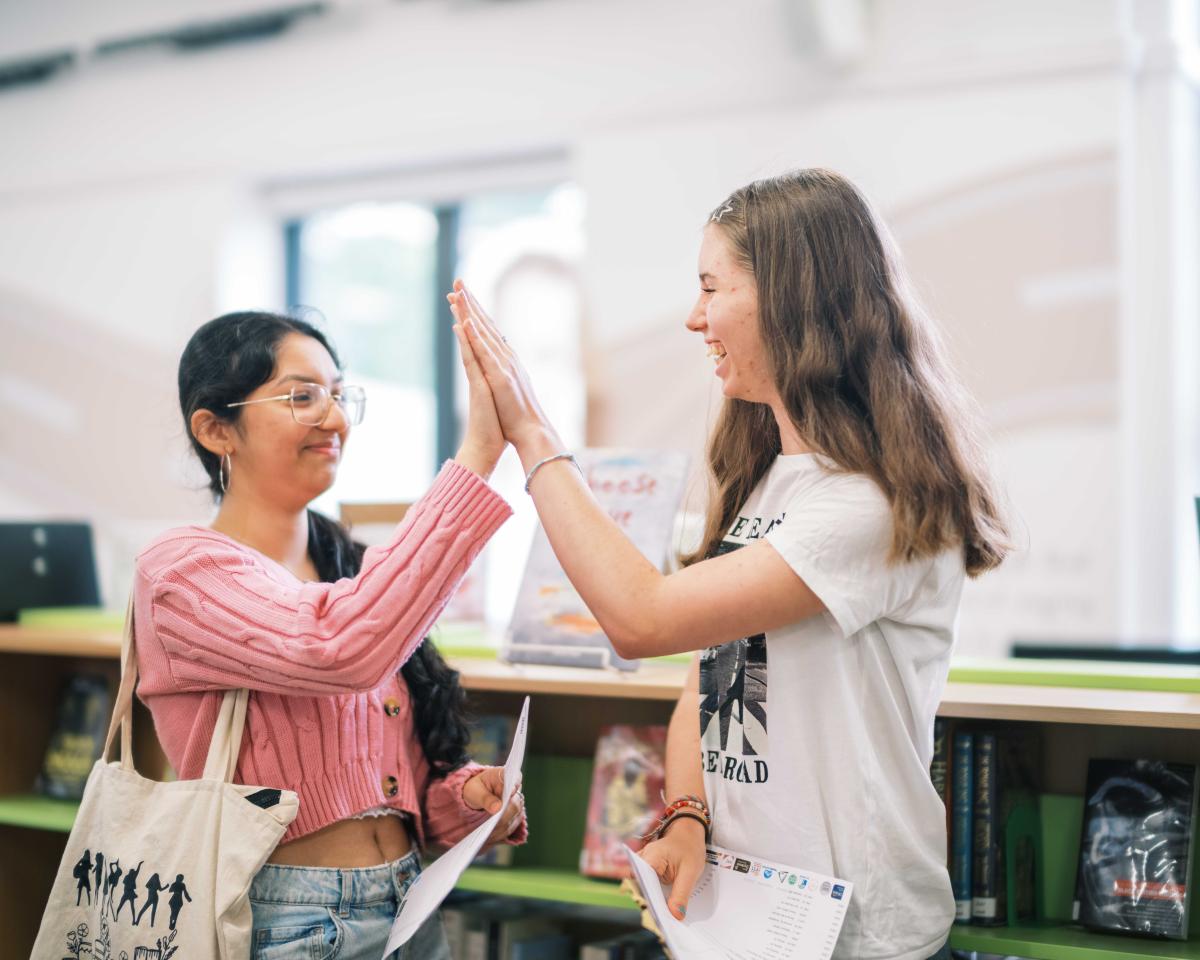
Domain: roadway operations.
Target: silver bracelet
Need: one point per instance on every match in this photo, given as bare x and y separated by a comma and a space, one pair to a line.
541, 463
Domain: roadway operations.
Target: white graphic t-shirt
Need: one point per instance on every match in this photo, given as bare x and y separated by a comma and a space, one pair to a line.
816, 738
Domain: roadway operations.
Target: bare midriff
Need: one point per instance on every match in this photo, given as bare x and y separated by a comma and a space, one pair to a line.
348, 843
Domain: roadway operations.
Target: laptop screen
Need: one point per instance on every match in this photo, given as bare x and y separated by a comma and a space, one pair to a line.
46, 565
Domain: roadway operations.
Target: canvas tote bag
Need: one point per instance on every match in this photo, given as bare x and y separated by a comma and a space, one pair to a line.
160, 870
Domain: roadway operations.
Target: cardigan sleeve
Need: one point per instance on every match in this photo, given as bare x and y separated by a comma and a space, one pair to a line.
448, 818
220, 619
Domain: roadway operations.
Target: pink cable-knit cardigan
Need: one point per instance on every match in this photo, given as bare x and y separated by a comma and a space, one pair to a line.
328, 715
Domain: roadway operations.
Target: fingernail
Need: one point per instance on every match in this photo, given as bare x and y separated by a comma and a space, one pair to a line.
682, 910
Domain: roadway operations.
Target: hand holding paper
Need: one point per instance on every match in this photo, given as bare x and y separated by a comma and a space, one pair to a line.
438, 879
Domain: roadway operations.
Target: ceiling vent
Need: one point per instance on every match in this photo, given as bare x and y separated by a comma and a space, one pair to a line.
35, 69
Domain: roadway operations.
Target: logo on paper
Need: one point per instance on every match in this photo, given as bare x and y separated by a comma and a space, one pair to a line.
768, 873
741, 866
825, 887
792, 879
756, 869
727, 861
803, 882
712, 857
838, 891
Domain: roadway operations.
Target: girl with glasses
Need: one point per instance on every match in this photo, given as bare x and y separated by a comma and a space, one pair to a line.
348, 706
850, 501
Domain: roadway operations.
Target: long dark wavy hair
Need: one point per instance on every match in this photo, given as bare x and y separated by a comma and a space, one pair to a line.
226, 360
859, 369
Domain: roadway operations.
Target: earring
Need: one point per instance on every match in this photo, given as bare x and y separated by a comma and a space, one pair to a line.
225, 472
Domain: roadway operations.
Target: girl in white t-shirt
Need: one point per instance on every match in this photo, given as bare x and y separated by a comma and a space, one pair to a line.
850, 501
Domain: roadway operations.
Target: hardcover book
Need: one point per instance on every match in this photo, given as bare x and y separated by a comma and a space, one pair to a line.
626, 796
962, 776
1007, 766
78, 737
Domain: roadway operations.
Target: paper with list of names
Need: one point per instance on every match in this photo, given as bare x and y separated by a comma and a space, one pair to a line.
438, 879
747, 909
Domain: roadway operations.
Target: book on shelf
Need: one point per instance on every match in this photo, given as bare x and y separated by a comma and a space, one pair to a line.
1007, 773
641, 491
636, 945
1136, 850
962, 787
490, 736
78, 737
626, 796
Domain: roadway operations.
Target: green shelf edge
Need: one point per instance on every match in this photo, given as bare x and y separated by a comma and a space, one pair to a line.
37, 812
538, 883
1062, 942
1077, 673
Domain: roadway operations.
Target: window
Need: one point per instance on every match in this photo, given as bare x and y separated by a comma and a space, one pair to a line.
374, 275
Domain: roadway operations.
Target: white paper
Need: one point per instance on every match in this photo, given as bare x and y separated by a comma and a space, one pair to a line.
743, 908
438, 879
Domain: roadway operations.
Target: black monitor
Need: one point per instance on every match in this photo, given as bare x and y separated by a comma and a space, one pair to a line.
46, 565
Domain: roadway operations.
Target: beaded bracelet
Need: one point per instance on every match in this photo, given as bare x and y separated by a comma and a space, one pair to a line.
661, 827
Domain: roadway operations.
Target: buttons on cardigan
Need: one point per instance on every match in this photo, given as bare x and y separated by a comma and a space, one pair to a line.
391, 706
391, 786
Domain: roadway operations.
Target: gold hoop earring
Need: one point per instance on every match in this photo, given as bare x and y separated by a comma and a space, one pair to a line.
225, 472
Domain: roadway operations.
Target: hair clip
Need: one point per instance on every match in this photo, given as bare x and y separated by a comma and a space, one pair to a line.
728, 208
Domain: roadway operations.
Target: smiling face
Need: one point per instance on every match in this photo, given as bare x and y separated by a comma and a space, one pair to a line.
274, 456
726, 315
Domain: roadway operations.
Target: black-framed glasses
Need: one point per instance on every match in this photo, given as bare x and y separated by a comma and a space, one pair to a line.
310, 403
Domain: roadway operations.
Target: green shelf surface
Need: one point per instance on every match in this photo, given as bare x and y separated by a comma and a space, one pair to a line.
1058, 942
1077, 673
37, 812
540, 883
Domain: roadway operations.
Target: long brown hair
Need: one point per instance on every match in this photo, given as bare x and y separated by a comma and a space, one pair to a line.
858, 368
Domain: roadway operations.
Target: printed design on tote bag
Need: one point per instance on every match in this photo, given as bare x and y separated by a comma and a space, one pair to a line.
733, 702
105, 888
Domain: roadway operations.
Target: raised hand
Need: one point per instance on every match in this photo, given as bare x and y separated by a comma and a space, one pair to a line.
520, 415
483, 440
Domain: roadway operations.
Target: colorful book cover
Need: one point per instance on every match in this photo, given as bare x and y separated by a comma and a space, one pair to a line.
962, 775
490, 736
78, 738
626, 797
641, 490
1136, 852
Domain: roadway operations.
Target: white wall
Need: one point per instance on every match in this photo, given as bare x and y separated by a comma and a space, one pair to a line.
135, 183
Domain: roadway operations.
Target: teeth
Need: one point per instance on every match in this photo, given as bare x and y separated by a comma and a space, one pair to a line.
716, 352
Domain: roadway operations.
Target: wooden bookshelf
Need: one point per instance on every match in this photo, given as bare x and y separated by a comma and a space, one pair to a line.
1081, 710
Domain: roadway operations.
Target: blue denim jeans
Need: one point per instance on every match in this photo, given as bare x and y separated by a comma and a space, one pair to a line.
323, 913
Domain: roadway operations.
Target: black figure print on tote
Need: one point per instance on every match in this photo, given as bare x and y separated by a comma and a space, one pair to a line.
83, 874
99, 880
110, 886
178, 892
130, 894
154, 886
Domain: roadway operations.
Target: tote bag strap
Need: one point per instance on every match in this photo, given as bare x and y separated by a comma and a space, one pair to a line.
123, 707
227, 734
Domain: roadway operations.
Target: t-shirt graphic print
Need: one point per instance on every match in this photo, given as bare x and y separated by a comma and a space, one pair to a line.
733, 706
